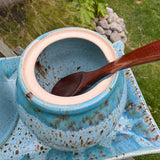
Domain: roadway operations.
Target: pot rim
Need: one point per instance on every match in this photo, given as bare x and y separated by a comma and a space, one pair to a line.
38, 95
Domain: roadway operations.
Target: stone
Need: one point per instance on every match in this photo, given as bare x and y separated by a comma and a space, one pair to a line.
122, 34
115, 27
123, 26
111, 26
100, 30
124, 39
108, 32
106, 16
110, 14
115, 36
109, 10
101, 18
104, 24
115, 17
96, 20
121, 20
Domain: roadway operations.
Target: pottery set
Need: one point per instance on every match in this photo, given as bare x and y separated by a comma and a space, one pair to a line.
77, 123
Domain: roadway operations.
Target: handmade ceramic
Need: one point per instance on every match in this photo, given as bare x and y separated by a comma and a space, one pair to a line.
69, 123
8, 104
136, 133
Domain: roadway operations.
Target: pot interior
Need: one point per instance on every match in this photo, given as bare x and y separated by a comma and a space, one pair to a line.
64, 57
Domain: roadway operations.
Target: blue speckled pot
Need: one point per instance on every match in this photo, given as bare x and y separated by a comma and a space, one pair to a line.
69, 123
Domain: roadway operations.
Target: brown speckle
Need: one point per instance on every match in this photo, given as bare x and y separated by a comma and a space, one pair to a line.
127, 73
89, 131
39, 68
89, 143
106, 103
100, 117
119, 125
6, 144
60, 134
76, 153
152, 129
5, 151
41, 148
72, 146
17, 152
81, 142
90, 122
139, 108
103, 155
78, 68
29, 95
31, 119
101, 132
96, 112
155, 139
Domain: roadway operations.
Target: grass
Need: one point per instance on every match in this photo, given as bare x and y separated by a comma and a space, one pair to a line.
21, 24
143, 26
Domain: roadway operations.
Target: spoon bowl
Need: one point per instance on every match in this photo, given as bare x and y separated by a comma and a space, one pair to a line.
77, 82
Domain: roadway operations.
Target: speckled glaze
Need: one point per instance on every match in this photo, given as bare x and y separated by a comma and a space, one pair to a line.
76, 126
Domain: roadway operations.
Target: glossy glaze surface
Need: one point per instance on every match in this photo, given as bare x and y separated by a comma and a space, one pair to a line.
136, 133
76, 126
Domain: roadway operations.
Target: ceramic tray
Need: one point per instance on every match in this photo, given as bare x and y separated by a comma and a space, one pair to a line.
135, 134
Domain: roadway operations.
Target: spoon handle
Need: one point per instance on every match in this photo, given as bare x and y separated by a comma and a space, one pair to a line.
142, 55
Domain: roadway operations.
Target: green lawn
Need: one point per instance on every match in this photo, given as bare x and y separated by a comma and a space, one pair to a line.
143, 26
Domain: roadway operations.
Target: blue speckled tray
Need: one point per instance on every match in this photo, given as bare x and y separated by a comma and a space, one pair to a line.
135, 134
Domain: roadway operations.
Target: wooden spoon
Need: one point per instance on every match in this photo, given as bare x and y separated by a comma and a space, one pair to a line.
77, 82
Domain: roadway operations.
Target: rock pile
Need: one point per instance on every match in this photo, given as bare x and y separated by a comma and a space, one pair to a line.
111, 26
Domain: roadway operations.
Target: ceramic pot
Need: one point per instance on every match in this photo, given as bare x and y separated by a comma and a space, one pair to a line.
69, 123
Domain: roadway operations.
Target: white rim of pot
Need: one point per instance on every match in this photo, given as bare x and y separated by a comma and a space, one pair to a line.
37, 46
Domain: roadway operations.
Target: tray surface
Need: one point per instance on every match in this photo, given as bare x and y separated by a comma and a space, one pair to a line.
8, 112
135, 134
